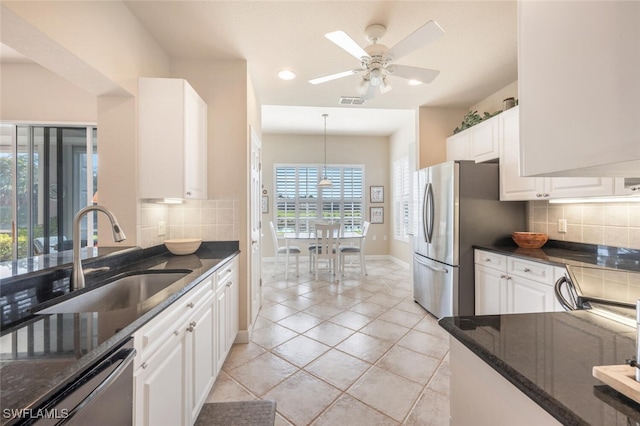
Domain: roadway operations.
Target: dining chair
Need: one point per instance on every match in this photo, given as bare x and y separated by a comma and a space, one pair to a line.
293, 250
355, 249
326, 247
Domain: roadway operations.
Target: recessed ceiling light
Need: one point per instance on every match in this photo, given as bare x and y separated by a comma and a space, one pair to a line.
287, 75
414, 83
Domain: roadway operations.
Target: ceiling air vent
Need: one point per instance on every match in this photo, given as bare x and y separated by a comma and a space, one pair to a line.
350, 100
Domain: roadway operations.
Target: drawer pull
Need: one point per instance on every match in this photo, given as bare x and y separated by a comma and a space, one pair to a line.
229, 284
190, 305
503, 276
176, 332
527, 270
144, 365
192, 325
229, 270
486, 259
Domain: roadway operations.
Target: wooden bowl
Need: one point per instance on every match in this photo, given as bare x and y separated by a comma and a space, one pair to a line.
182, 246
529, 239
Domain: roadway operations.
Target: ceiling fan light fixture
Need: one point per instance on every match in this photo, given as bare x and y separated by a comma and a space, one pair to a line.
384, 86
376, 77
414, 82
363, 87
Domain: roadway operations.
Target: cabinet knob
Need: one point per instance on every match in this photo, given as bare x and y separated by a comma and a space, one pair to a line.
545, 195
503, 276
144, 365
188, 192
229, 284
190, 305
538, 195
486, 259
176, 332
229, 270
192, 325
527, 270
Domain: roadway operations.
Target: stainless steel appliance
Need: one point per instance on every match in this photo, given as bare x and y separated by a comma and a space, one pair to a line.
457, 206
102, 395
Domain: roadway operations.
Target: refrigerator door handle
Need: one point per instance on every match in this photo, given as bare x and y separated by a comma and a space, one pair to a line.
428, 218
433, 268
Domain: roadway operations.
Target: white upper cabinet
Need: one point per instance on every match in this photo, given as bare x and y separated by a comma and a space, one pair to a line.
172, 140
515, 187
478, 143
458, 146
578, 86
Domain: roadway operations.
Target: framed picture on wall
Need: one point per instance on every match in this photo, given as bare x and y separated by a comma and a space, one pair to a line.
377, 194
265, 204
376, 214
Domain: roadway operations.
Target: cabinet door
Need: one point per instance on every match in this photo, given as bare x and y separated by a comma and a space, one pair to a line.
201, 340
484, 143
234, 310
491, 291
195, 145
458, 146
525, 296
221, 326
160, 385
512, 185
579, 187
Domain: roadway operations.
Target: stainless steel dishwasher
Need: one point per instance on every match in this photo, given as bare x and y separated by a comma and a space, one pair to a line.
102, 395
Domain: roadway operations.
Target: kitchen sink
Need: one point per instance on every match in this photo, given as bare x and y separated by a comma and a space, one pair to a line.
121, 293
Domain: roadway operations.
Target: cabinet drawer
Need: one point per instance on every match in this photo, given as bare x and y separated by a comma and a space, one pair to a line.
534, 271
491, 260
225, 273
149, 338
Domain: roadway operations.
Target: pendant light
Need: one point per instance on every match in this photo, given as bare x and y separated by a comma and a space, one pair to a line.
325, 182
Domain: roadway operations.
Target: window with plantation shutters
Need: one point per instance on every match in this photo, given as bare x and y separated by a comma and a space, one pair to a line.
299, 202
401, 197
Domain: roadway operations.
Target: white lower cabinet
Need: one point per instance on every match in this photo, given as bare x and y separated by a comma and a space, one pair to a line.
181, 350
508, 284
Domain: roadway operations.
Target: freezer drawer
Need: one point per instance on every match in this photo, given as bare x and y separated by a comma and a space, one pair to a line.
435, 286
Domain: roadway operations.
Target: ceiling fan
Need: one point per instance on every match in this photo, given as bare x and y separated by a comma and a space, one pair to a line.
376, 59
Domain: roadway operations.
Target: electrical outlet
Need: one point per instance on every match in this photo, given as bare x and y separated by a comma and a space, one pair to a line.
162, 228
562, 225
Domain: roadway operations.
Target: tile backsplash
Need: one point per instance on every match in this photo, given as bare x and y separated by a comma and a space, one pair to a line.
611, 224
211, 220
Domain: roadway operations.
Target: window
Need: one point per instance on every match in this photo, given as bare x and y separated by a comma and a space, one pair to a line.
299, 202
401, 197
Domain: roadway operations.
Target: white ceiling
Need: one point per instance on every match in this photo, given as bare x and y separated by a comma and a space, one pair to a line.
476, 56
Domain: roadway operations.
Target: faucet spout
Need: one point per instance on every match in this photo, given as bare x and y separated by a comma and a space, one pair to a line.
77, 275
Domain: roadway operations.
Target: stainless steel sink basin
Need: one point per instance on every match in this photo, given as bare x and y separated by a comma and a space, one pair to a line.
124, 292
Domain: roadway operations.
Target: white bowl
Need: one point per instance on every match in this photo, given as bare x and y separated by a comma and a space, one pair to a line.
182, 246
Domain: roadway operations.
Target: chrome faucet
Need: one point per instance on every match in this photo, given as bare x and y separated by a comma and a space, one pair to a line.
77, 274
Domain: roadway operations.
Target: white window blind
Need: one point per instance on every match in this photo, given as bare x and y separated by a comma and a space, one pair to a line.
401, 197
299, 202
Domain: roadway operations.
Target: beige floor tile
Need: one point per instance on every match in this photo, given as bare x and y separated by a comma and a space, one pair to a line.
387, 392
242, 353
329, 333
302, 397
338, 368
352, 320
281, 421
349, 411
300, 322
409, 305
385, 330
400, 317
263, 373
358, 293
442, 379
432, 409
226, 389
324, 310
369, 309
409, 364
364, 347
384, 299
299, 302
430, 325
276, 312
426, 344
300, 350
272, 335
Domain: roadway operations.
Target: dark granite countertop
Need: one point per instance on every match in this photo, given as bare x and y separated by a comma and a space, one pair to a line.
41, 354
561, 253
550, 356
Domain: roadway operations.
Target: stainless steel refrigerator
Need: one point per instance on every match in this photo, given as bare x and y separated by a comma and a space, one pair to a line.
457, 206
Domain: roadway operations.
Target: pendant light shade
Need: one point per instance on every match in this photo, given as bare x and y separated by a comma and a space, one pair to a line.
325, 182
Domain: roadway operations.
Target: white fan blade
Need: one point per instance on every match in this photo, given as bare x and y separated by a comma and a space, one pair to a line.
332, 76
424, 75
342, 40
424, 35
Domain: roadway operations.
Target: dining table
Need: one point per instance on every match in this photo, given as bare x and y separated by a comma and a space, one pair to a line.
343, 237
